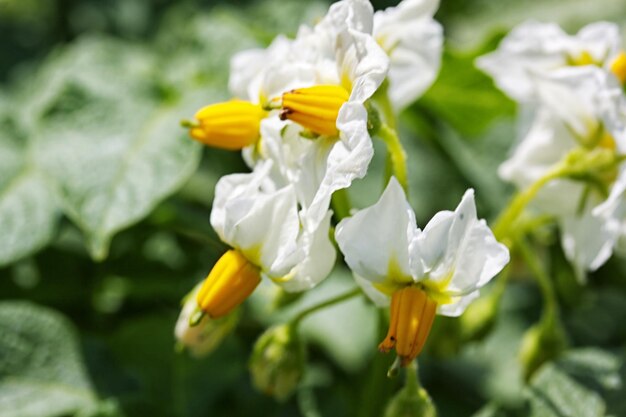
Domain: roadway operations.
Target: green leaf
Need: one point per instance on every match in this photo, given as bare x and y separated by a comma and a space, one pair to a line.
578, 385
464, 96
28, 212
41, 370
114, 148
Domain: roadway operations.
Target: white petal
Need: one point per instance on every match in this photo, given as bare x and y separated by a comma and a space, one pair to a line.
380, 299
253, 217
601, 40
531, 46
545, 144
458, 305
375, 241
319, 259
587, 239
333, 165
414, 42
459, 247
352, 14
362, 62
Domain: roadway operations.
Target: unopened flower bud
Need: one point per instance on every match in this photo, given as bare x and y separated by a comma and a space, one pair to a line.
541, 343
411, 401
277, 361
205, 336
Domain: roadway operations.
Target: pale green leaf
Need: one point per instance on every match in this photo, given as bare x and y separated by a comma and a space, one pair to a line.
583, 383
28, 211
108, 138
41, 370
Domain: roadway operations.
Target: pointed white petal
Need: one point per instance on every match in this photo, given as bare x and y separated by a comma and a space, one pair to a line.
375, 241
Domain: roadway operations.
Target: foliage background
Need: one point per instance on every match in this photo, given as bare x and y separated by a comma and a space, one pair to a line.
104, 226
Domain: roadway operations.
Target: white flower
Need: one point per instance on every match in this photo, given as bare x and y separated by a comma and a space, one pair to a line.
534, 47
414, 41
578, 108
440, 268
322, 78
260, 219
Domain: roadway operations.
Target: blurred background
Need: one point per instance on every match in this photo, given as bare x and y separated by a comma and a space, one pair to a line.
104, 221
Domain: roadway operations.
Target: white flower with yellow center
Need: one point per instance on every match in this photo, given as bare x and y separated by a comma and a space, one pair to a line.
260, 221
534, 47
420, 273
578, 108
414, 42
319, 82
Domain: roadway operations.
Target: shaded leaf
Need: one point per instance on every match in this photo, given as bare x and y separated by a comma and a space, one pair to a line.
41, 370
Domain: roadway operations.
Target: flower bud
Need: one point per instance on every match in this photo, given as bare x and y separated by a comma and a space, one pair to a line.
541, 343
277, 362
315, 108
205, 336
411, 401
230, 125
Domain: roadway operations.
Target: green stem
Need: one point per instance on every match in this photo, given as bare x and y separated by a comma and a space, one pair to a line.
412, 381
397, 155
339, 299
504, 224
543, 279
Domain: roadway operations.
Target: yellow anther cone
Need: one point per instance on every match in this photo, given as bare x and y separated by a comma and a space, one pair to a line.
229, 125
315, 108
412, 317
230, 282
618, 67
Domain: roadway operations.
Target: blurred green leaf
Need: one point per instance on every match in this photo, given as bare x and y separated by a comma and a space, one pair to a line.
577, 385
41, 369
112, 144
464, 96
28, 212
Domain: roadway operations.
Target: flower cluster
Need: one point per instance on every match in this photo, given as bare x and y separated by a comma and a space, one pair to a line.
305, 112
570, 91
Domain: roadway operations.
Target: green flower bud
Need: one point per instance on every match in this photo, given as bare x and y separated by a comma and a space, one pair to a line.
411, 401
197, 332
277, 362
541, 343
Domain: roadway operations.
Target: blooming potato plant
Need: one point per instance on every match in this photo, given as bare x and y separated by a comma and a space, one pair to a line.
304, 116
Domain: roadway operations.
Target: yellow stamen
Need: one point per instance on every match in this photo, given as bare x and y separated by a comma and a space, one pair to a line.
229, 125
618, 67
230, 282
412, 316
315, 108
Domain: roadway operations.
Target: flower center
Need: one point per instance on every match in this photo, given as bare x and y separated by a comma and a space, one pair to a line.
584, 58
230, 282
315, 108
229, 125
618, 67
412, 316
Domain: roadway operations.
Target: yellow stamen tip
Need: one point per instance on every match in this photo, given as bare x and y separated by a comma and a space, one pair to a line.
230, 282
618, 67
315, 108
229, 125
